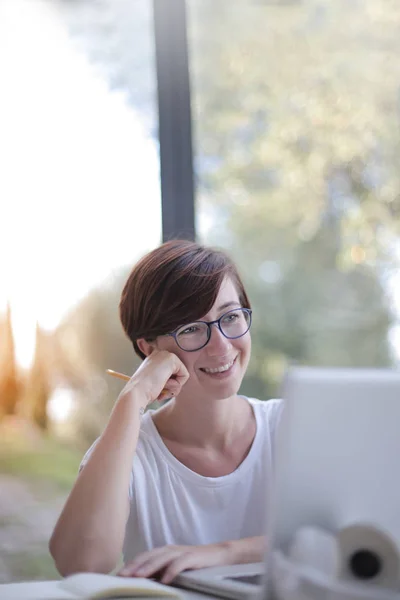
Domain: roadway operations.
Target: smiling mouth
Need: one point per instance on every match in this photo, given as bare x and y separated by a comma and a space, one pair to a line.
220, 369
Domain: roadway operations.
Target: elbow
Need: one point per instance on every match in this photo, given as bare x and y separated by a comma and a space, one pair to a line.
66, 568
71, 561
58, 553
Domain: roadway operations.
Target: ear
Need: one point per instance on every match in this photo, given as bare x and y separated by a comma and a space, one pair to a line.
145, 346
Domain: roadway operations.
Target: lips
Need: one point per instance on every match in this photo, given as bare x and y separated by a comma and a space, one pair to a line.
219, 369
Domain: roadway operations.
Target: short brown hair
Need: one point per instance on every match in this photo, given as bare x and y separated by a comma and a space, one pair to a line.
174, 284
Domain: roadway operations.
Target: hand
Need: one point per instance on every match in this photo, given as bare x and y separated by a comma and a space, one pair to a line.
160, 376
168, 561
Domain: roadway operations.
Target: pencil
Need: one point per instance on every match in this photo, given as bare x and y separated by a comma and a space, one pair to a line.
119, 375
124, 377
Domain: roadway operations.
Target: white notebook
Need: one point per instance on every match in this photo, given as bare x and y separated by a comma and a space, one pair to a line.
88, 586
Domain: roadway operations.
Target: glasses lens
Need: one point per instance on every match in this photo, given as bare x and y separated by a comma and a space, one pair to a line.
235, 323
193, 336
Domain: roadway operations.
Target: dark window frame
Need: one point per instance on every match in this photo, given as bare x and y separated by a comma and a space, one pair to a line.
175, 121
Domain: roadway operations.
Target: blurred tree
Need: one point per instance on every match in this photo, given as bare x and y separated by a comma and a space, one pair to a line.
297, 121
38, 381
93, 338
9, 381
296, 110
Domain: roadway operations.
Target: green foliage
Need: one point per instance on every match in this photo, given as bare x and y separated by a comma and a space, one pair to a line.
45, 460
297, 150
296, 115
45, 471
30, 565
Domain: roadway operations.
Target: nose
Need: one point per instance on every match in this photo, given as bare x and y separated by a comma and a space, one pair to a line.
218, 344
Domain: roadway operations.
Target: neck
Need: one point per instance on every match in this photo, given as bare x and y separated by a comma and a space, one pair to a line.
201, 423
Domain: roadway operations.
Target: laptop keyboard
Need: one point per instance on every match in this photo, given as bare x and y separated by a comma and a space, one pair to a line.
252, 579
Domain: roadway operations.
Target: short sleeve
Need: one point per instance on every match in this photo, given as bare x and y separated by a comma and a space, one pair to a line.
87, 454
86, 458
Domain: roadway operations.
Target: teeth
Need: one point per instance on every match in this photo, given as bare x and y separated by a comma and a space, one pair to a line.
220, 369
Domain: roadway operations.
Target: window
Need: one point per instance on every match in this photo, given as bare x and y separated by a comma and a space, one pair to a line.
79, 190
296, 115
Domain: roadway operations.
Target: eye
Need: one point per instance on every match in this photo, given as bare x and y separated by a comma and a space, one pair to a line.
190, 329
231, 317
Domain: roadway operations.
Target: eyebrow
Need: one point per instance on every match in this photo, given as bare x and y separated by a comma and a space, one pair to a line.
228, 305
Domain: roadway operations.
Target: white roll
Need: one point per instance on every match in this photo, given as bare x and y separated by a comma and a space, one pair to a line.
368, 555
316, 548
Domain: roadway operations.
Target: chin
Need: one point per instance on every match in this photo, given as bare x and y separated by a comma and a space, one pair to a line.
227, 391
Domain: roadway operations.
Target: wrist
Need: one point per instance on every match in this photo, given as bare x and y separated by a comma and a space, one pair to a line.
134, 398
230, 552
242, 551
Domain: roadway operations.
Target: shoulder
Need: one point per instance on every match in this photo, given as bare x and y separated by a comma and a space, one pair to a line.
147, 429
87, 454
269, 410
150, 446
267, 406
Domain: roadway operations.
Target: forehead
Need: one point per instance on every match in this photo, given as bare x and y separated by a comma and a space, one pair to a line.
226, 299
227, 291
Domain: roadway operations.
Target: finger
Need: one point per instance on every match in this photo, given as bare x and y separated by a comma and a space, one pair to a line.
140, 560
180, 372
182, 377
164, 396
171, 390
179, 564
146, 558
155, 564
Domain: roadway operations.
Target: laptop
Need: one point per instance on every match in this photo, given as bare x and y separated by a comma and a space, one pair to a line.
336, 456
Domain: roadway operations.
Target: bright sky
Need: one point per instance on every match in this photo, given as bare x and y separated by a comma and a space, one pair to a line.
79, 185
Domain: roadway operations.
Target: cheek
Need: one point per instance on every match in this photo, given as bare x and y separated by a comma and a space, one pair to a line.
244, 345
189, 362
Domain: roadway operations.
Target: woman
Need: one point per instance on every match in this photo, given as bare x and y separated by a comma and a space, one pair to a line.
182, 487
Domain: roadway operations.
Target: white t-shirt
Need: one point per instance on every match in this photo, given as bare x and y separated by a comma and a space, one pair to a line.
171, 504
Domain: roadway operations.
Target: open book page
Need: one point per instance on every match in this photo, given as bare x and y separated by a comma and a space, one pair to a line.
95, 585
35, 590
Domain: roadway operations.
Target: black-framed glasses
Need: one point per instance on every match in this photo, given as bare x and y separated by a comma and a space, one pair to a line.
194, 336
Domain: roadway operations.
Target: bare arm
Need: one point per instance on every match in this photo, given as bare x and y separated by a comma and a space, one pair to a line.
247, 550
90, 532
169, 561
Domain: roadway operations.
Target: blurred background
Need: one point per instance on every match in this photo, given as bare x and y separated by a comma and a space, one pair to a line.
296, 146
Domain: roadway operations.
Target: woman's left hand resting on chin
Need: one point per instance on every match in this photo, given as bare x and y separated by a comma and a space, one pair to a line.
167, 562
